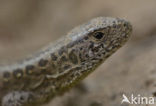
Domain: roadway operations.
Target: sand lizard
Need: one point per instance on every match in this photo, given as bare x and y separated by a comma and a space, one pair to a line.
62, 64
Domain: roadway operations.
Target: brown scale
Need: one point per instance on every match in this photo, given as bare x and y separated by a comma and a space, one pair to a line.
6, 76
73, 57
18, 73
43, 63
29, 69
45, 66
53, 57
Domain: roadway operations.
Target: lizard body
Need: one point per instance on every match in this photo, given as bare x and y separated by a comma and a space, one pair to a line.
62, 64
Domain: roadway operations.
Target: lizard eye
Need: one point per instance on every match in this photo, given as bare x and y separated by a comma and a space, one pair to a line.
98, 35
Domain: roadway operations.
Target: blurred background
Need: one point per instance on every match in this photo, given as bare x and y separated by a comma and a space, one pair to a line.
28, 25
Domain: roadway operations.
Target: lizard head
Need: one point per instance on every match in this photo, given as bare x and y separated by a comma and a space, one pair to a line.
98, 39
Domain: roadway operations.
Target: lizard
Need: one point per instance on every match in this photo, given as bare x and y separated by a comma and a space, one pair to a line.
62, 64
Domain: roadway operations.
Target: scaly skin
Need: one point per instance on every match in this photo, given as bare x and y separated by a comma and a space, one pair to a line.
61, 65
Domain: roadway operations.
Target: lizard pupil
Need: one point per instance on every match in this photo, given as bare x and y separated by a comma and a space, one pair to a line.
99, 35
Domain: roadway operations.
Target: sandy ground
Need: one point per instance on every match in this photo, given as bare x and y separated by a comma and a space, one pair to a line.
28, 25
